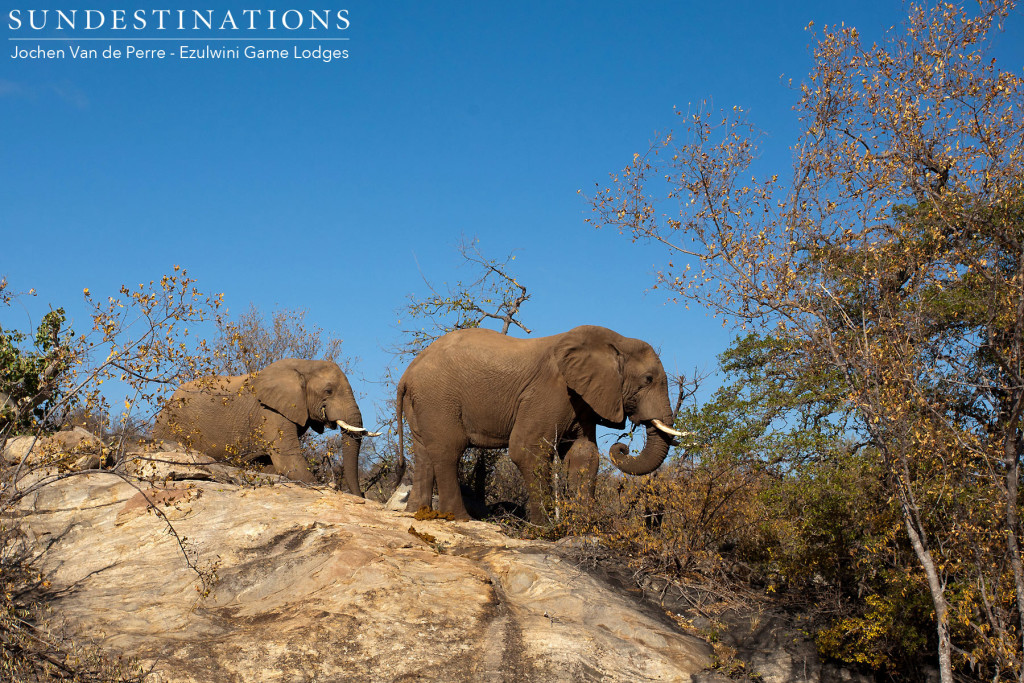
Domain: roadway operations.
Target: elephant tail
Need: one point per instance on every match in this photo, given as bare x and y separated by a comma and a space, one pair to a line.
400, 464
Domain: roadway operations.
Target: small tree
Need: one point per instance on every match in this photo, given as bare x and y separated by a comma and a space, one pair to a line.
140, 339
251, 342
31, 379
492, 294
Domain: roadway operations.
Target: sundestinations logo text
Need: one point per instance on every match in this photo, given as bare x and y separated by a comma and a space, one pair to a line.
178, 20
186, 34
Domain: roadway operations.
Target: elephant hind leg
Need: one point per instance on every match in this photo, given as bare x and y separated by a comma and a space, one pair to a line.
449, 494
422, 494
438, 463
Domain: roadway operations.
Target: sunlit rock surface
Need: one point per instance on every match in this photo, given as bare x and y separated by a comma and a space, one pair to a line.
314, 585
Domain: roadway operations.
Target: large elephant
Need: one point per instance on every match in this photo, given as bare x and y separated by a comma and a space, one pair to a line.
265, 413
539, 396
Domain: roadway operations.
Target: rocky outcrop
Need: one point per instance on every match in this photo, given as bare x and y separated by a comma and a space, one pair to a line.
155, 465
290, 583
76, 449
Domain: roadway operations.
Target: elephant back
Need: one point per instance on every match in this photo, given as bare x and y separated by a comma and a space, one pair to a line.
217, 415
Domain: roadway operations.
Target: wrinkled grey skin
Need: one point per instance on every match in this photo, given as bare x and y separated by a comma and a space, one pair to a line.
537, 397
265, 414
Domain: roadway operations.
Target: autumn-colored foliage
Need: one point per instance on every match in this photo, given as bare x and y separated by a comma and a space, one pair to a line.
892, 252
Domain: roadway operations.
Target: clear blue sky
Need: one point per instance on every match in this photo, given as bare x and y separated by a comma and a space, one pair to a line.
330, 187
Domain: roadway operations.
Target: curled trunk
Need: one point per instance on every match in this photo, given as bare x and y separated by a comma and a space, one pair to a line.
649, 459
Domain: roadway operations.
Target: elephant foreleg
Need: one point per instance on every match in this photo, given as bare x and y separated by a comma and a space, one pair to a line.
285, 452
581, 463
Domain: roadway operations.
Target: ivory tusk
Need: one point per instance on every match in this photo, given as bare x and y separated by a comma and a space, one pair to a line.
668, 430
349, 428
357, 430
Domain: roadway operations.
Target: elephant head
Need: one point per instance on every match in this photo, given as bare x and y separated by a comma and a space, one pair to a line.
315, 394
618, 377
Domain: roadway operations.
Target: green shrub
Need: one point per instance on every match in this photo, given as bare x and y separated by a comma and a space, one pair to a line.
31, 379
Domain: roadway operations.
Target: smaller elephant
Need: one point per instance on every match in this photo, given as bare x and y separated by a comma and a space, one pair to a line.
265, 413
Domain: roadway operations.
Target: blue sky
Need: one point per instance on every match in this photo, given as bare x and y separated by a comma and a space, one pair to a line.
337, 187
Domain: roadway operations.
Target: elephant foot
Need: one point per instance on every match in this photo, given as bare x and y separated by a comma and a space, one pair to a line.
458, 514
414, 505
454, 509
538, 517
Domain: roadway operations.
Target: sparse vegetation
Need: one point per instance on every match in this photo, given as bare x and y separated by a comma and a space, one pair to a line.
30, 380
494, 293
251, 342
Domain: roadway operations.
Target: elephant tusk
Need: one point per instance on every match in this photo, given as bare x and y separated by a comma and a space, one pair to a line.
668, 430
357, 430
349, 428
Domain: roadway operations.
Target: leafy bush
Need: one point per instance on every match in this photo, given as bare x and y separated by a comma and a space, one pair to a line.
31, 379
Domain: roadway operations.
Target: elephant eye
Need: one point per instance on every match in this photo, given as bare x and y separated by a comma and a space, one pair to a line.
648, 379
329, 391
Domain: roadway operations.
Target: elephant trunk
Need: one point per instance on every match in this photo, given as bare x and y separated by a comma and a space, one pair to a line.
350, 462
649, 459
351, 439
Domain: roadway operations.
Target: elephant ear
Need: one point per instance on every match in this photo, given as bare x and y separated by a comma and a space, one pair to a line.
282, 389
592, 367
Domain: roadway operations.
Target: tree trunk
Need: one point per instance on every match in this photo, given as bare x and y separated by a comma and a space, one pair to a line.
915, 532
1012, 461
